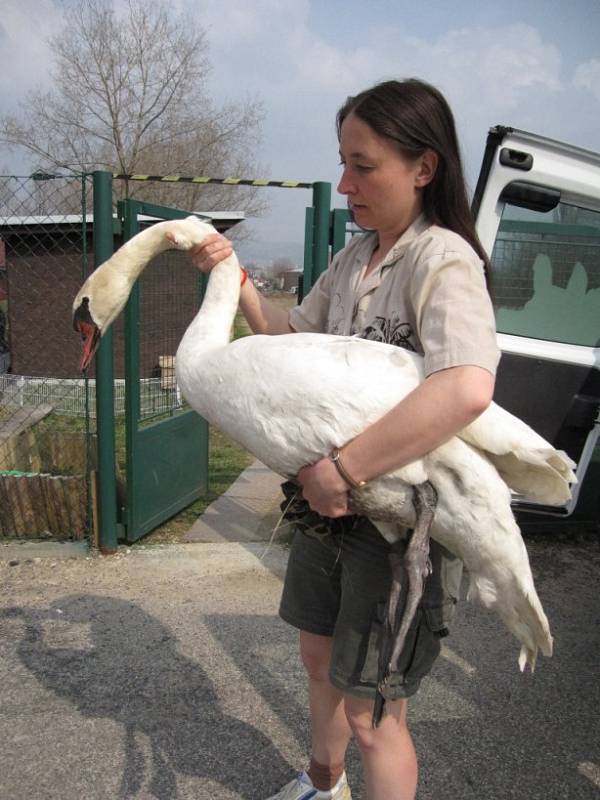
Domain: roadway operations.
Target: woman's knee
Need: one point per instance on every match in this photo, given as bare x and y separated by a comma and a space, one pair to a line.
359, 713
315, 652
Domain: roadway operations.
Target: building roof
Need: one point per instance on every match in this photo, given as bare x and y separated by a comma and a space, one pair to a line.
223, 220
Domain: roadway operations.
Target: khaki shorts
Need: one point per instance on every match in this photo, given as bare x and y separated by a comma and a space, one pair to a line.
337, 582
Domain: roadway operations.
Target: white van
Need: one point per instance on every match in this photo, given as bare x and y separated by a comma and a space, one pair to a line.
537, 205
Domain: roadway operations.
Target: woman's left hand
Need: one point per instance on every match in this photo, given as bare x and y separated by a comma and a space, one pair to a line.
325, 489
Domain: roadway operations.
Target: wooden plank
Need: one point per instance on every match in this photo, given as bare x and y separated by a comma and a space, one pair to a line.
26, 505
60, 509
22, 418
53, 524
38, 505
83, 505
74, 505
7, 523
14, 502
66, 515
95, 532
69, 508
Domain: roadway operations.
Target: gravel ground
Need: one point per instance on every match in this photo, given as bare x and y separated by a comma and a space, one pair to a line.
164, 672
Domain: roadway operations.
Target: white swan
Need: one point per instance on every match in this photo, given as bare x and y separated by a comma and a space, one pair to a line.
291, 399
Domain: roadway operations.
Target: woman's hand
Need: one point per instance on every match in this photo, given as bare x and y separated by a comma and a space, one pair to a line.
210, 252
325, 489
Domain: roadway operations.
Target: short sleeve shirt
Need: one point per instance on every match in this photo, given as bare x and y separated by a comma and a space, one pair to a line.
428, 295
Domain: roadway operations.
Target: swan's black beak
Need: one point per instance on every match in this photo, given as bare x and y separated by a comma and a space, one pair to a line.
90, 333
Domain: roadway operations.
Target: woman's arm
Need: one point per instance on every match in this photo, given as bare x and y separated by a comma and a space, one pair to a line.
445, 403
262, 316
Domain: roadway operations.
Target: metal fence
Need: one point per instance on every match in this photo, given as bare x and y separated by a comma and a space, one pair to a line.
46, 434
77, 398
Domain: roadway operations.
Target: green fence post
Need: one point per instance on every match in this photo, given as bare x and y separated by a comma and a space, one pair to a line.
339, 220
307, 273
105, 405
321, 204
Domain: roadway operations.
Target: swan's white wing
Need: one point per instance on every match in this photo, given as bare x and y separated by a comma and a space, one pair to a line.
291, 399
527, 462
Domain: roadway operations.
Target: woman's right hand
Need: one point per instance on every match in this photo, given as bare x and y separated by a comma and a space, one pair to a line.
210, 252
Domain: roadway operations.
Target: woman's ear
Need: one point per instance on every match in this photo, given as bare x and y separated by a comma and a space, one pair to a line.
427, 168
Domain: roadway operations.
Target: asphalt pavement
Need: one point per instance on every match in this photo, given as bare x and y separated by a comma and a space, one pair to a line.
164, 672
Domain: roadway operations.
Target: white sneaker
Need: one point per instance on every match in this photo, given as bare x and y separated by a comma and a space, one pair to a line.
301, 788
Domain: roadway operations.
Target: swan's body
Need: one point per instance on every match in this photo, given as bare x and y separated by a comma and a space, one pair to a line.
291, 399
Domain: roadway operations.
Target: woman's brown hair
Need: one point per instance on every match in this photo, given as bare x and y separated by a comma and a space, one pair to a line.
416, 116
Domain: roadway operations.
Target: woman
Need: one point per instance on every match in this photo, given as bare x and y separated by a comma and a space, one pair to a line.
417, 279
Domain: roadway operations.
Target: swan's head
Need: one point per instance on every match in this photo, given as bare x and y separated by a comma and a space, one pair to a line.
104, 294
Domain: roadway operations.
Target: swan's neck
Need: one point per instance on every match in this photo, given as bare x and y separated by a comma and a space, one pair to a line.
211, 326
131, 259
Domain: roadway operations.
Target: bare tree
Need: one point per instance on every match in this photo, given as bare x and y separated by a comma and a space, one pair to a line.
130, 96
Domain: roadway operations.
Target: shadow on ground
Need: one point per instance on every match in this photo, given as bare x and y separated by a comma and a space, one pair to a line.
130, 671
482, 729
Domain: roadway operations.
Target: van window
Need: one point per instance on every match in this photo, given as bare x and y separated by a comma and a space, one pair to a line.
546, 274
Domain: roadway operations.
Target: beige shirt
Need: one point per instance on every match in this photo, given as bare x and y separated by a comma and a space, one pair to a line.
427, 295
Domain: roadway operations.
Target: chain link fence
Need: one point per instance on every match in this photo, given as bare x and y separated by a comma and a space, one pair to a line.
47, 432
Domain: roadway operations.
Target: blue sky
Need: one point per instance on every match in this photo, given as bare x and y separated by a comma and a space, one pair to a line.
532, 64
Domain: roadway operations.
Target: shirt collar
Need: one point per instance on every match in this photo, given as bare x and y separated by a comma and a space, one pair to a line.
410, 234
398, 249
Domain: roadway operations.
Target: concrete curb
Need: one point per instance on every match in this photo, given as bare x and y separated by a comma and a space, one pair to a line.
21, 551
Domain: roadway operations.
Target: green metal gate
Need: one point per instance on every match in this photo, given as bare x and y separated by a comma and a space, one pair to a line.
166, 445
166, 454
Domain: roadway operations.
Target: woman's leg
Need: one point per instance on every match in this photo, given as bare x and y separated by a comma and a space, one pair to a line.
388, 754
331, 731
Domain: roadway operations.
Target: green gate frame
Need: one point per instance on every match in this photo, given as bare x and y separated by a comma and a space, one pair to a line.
166, 461
142, 443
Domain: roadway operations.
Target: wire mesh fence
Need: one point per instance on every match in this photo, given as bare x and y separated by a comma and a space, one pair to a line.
77, 398
46, 435
169, 299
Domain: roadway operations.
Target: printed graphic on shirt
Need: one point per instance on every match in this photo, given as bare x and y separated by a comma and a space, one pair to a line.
391, 331
336, 315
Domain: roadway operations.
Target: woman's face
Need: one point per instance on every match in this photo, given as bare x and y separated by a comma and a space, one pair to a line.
383, 188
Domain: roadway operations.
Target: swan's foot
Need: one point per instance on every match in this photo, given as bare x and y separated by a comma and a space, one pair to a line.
415, 563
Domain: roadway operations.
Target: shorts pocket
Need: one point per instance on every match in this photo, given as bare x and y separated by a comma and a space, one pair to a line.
442, 588
421, 648
439, 618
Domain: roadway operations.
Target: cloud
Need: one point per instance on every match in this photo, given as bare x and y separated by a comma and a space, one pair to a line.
25, 26
510, 74
506, 74
587, 76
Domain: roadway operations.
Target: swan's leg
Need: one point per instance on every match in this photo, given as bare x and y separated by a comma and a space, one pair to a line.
416, 561
390, 627
416, 564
